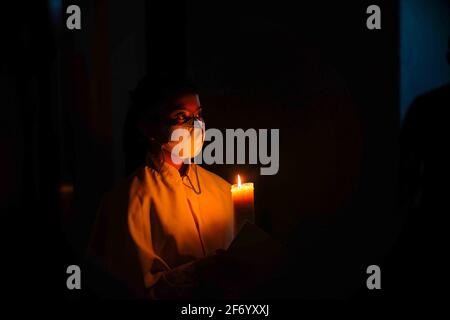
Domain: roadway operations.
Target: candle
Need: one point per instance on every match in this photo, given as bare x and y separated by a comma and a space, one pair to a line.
243, 204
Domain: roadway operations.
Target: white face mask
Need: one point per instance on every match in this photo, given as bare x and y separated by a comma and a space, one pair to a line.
186, 140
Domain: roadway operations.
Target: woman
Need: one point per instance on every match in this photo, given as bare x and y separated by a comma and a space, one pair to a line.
160, 231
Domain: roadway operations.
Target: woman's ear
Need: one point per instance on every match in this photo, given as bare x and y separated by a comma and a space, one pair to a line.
152, 133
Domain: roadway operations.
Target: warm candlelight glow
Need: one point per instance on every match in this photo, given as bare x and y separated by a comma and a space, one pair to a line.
242, 194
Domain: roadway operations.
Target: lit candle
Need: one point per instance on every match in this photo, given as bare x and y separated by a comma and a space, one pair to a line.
243, 205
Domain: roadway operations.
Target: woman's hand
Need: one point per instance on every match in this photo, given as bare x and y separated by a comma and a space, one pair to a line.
220, 275
177, 284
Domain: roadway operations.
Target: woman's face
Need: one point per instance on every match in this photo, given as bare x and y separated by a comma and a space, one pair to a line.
183, 108
178, 111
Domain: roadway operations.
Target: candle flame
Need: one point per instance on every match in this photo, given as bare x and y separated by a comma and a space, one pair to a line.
239, 180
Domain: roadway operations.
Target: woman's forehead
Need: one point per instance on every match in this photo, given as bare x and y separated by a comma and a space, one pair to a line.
190, 102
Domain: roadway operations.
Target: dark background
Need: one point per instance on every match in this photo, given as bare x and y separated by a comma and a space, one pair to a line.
313, 70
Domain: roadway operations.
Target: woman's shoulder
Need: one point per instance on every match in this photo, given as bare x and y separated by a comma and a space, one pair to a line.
130, 184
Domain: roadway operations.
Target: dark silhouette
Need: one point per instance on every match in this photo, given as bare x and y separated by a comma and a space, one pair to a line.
419, 255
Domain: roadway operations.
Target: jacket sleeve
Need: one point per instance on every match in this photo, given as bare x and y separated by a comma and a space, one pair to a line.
121, 242
111, 247
140, 232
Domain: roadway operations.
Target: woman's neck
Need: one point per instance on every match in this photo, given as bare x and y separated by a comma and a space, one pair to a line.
167, 157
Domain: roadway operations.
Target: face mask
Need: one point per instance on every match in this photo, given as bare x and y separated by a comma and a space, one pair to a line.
186, 140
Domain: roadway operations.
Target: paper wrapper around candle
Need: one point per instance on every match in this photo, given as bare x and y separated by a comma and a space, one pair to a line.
243, 204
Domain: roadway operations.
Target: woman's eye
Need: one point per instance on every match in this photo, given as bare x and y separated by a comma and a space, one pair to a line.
181, 118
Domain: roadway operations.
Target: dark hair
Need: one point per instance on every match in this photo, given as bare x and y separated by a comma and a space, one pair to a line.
147, 100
